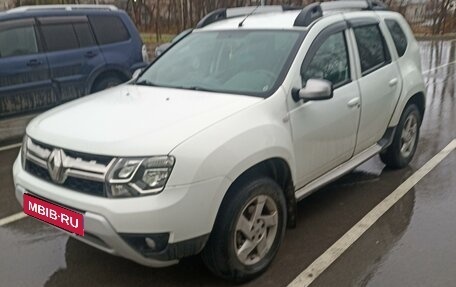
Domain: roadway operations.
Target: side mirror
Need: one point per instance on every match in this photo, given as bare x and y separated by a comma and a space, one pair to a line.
136, 74
315, 90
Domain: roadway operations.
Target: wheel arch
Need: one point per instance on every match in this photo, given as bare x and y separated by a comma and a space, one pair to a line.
95, 78
417, 96
278, 169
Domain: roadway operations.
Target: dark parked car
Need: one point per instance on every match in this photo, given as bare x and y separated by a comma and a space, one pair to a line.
165, 46
53, 54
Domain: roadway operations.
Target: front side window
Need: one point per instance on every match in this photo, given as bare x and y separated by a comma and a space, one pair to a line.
330, 62
59, 37
399, 38
17, 41
247, 62
372, 50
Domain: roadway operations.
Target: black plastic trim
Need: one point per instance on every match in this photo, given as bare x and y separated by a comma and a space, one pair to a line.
171, 251
214, 16
353, 23
308, 15
387, 138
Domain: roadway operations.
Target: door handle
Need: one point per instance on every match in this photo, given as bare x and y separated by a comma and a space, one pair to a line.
355, 102
33, 63
90, 54
393, 82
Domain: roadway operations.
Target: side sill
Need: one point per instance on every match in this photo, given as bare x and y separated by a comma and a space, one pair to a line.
337, 172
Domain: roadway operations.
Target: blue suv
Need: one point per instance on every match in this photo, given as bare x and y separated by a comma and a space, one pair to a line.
53, 54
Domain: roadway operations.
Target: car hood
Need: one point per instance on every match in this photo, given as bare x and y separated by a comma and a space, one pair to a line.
134, 120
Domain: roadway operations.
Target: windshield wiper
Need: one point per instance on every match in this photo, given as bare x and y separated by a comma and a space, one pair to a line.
195, 88
146, 83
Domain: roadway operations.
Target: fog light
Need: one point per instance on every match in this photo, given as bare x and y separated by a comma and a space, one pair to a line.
147, 244
151, 243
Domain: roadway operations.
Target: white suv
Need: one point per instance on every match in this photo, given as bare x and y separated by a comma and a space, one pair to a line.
210, 147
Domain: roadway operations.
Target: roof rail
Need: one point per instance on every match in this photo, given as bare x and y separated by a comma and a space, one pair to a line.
371, 5
309, 13
62, 8
312, 12
226, 13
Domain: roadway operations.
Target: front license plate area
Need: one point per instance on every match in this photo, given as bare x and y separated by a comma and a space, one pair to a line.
54, 214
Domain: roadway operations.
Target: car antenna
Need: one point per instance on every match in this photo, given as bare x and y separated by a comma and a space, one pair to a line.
248, 15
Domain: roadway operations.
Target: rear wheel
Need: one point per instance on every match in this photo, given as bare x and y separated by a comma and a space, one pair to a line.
403, 148
248, 231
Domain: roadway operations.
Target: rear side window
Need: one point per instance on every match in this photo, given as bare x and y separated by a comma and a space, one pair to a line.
399, 38
109, 29
59, 37
17, 41
372, 50
84, 34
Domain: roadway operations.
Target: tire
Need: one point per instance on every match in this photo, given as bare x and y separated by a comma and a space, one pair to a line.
106, 82
398, 156
226, 239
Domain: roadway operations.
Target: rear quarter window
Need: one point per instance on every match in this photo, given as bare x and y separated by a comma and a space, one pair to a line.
399, 38
109, 29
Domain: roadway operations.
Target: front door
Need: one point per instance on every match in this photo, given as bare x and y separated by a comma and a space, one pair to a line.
25, 82
324, 132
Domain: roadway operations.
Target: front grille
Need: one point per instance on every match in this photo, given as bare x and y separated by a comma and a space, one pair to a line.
85, 173
37, 171
85, 186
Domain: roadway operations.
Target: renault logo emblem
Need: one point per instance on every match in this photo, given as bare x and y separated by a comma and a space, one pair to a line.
55, 166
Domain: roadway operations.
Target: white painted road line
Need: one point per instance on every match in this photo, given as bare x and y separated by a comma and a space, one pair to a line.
12, 218
337, 249
3, 148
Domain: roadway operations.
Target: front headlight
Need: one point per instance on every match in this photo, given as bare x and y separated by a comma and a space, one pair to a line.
24, 151
139, 176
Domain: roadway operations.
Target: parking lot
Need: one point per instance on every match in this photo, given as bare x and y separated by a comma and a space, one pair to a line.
411, 244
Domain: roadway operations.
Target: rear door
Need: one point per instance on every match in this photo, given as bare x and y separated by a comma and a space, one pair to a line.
72, 53
380, 82
25, 83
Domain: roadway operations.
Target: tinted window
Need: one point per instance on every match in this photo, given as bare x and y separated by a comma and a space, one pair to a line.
371, 47
399, 38
330, 61
59, 37
109, 29
84, 34
17, 41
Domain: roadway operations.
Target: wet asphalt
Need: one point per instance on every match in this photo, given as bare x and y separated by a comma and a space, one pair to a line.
413, 244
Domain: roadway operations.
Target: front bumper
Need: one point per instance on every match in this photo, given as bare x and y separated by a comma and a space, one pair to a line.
186, 213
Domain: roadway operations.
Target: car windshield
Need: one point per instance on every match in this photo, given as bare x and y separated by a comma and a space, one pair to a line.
246, 62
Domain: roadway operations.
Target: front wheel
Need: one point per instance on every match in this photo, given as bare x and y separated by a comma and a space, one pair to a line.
248, 231
403, 148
